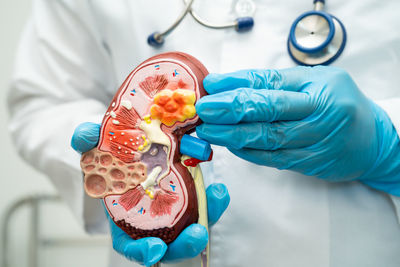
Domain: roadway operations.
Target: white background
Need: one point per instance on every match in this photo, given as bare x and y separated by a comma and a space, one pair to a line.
19, 180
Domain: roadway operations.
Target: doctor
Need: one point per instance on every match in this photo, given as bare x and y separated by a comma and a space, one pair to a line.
311, 156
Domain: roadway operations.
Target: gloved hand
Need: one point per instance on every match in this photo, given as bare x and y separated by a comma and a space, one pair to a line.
311, 120
150, 250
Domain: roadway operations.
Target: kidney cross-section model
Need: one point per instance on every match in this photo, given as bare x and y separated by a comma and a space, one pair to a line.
149, 188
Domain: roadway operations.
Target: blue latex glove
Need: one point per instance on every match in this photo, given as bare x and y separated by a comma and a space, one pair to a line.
311, 120
147, 251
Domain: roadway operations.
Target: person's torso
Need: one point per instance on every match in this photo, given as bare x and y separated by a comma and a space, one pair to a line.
276, 218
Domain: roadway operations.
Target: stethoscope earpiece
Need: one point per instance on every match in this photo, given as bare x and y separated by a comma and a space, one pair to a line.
155, 39
244, 24
315, 38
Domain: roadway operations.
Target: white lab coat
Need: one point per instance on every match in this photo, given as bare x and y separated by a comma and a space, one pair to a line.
74, 54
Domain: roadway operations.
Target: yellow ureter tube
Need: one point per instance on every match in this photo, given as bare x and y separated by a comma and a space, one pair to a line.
202, 205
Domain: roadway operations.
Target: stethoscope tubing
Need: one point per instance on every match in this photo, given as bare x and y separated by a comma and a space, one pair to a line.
185, 11
240, 24
210, 25
302, 55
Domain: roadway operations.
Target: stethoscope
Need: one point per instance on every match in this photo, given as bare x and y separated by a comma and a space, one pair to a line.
315, 38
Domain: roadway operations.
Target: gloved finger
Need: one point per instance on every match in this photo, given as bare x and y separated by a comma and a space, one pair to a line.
283, 159
188, 244
85, 137
304, 160
217, 201
292, 79
146, 251
249, 105
263, 136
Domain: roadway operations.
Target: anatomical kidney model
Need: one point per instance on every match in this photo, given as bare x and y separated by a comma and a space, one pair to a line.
138, 168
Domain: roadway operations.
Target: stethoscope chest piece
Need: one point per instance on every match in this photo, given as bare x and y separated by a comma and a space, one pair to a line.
316, 38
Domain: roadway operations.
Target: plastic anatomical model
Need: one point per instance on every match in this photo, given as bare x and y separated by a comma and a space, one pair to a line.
149, 187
